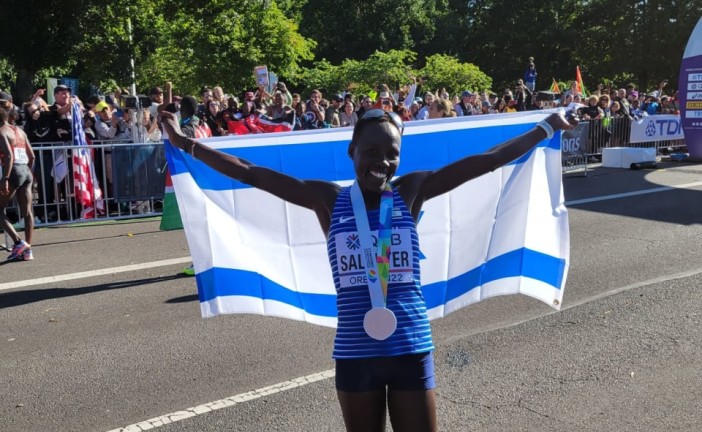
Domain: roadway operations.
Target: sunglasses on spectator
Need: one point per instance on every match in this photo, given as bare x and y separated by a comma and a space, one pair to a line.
379, 113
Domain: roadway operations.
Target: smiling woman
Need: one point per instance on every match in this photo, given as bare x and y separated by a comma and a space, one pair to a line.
383, 346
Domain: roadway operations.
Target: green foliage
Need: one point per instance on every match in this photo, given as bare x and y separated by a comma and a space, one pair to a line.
365, 42
357, 29
444, 71
221, 45
7, 74
361, 76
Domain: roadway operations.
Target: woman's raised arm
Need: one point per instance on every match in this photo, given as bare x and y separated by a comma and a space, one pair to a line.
455, 174
316, 195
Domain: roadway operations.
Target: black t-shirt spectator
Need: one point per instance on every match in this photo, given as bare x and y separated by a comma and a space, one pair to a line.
60, 125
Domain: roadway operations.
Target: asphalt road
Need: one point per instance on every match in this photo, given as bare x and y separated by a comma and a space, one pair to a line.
110, 350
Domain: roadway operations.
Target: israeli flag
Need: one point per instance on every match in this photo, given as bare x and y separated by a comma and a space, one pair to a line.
505, 232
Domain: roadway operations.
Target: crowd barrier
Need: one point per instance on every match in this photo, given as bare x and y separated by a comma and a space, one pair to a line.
132, 176
607, 133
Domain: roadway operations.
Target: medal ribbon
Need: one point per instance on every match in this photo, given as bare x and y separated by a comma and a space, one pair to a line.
377, 264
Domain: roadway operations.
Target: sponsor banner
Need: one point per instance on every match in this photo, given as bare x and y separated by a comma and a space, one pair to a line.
662, 127
691, 78
573, 142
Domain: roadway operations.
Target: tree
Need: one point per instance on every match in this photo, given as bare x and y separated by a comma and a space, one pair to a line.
39, 34
357, 29
444, 71
216, 44
393, 68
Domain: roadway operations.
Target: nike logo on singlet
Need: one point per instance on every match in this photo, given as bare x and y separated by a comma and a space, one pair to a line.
343, 219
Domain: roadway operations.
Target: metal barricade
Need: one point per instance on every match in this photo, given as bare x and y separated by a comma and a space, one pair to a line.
606, 133
130, 176
574, 149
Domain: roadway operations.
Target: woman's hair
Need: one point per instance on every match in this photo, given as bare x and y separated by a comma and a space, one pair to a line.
444, 107
282, 95
218, 93
209, 104
592, 99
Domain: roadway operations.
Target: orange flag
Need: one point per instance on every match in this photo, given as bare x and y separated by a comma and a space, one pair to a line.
579, 81
554, 87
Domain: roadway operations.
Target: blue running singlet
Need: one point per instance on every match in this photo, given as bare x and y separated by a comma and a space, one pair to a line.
405, 299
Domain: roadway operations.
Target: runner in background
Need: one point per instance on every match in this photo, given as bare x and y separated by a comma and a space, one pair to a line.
17, 160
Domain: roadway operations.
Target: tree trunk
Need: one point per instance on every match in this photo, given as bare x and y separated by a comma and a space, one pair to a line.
24, 87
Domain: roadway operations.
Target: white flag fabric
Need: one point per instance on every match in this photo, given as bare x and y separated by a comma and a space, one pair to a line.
505, 232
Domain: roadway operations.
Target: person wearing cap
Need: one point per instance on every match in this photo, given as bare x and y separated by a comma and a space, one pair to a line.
464, 107
331, 114
61, 124
156, 96
6, 99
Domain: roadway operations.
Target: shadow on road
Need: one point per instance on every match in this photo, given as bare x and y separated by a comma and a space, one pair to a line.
663, 207
19, 298
94, 238
183, 299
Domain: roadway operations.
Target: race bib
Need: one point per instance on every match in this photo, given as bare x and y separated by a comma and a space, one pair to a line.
21, 157
351, 264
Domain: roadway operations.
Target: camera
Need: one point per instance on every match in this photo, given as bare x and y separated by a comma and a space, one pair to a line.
134, 102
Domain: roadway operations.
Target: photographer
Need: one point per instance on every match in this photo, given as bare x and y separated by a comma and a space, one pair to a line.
108, 126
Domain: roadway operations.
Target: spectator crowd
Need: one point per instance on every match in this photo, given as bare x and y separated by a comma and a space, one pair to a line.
119, 116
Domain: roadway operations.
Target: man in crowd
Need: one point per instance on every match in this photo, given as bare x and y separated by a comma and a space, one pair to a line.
623, 101
331, 114
156, 96
464, 107
424, 111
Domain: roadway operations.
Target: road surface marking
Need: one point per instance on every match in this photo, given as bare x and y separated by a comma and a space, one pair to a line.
630, 194
224, 403
93, 273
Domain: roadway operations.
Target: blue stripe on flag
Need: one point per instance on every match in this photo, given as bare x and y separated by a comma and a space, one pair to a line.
521, 262
222, 282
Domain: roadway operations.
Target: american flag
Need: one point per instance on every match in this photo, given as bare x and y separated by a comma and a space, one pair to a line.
87, 189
